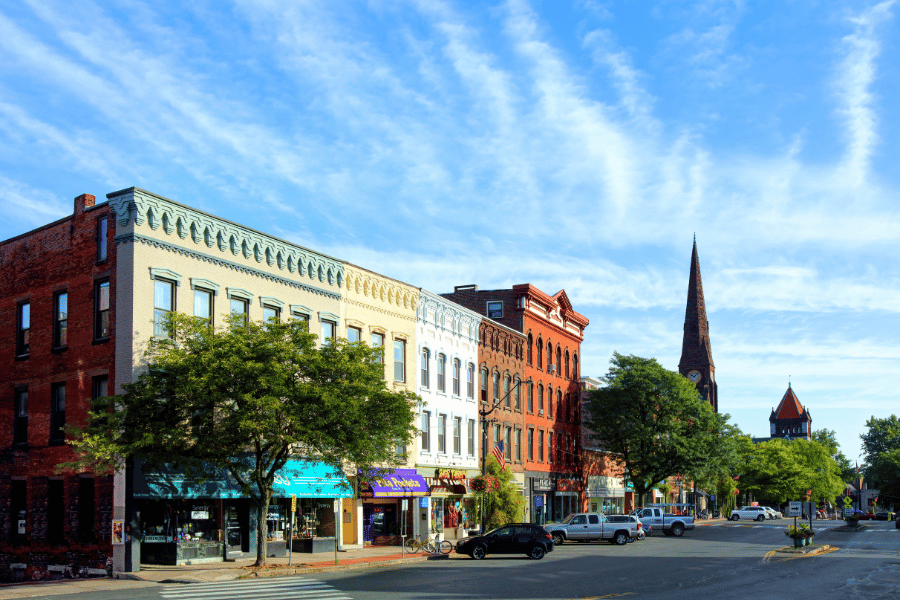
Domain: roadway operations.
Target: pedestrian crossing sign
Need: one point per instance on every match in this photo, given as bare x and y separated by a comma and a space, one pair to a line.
847, 501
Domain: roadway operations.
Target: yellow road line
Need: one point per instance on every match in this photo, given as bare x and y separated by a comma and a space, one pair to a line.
607, 596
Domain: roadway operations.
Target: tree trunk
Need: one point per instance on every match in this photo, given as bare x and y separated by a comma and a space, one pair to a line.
262, 511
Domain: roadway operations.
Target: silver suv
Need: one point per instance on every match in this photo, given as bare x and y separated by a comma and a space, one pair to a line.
754, 513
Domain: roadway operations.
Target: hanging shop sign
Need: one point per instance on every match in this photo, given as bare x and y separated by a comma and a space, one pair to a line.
543, 485
401, 483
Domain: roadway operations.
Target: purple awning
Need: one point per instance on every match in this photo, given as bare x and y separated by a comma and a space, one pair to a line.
399, 484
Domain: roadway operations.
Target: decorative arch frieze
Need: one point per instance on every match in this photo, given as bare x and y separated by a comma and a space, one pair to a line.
142, 207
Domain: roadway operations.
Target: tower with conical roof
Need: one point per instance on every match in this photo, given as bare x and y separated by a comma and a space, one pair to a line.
791, 419
696, 353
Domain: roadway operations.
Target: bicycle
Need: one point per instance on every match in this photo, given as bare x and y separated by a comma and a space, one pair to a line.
414, 544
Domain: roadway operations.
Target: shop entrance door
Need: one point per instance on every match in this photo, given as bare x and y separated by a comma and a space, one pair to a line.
234, 530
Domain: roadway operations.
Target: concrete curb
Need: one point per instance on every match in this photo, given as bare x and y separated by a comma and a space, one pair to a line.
368, 564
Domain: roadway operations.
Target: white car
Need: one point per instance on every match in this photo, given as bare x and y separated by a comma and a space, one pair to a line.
773, 514
754, 513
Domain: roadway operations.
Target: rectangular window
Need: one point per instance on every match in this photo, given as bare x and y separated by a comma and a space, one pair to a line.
540, 446
102, 231
471, 438
531, 444
400, 451
496, 387
550, 447
203, 304
470, 381
496, 436
20, 425
519, 445
495, 309
517, 394
354, 334
57, 413
101, 316
507, 444
86, 509
60, 319
457, 441
399, 360
271, 313
238, 306
540, 400
506, 390
99, 389
378, 342
530, 395
456, 376
425, 374
327, 329
442, 373
23, 328
56, 511
442, 434
163, 304
426, 430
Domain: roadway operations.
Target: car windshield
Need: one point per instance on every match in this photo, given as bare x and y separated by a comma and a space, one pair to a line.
567, 519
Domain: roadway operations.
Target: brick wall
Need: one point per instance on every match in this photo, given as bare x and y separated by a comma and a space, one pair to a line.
34, 267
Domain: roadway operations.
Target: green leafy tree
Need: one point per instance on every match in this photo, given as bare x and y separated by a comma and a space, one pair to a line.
828, 438
773, 472
502, 505
653, 419
245, 399
822, 470
881, 444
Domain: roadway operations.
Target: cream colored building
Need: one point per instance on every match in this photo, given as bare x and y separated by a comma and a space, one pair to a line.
171, 257
380, 311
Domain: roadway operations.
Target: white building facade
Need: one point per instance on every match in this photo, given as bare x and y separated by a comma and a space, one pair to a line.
447, 448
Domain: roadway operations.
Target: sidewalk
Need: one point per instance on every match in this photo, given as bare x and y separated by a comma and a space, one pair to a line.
369, 557
150, 575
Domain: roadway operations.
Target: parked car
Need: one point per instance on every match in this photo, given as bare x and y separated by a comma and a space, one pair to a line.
633, 524
866, 516
513, 538
772, 513
884, 516
586, 527
754, 513
670, 524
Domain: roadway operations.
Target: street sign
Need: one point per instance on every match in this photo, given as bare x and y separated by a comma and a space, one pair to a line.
793, 509
848, 502
294, 503
848, 512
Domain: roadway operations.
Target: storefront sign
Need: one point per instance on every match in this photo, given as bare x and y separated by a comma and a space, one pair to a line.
200, 514
155, 539
400, 483
567, 485
605, 487
543, 485
451, 474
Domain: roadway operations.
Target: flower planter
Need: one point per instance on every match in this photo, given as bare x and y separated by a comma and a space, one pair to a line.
802, 541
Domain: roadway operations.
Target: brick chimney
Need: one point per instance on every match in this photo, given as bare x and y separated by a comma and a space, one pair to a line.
82, 202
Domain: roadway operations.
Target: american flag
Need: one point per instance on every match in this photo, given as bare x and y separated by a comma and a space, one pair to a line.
498, 454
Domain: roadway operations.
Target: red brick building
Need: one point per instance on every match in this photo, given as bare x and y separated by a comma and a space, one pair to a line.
501, 354
553, 333
57, 291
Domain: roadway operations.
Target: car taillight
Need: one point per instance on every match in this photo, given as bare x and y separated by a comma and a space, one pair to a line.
640, 525
548, 536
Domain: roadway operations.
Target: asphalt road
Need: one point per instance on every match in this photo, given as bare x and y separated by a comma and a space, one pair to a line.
721, 562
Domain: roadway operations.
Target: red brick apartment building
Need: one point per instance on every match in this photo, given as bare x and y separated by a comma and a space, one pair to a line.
57, 289
553, 331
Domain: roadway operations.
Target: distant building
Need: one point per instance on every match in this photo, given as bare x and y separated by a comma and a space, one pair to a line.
696, 353
790, 421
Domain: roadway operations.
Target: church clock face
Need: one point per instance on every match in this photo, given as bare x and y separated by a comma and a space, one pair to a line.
694, 376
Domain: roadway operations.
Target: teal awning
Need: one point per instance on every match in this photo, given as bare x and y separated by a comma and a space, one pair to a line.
303, 478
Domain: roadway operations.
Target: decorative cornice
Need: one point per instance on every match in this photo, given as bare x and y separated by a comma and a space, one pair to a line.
445, 311
135, 237
370, 289
214, 232
378, 309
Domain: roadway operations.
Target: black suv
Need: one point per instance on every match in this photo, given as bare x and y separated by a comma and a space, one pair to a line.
512, 538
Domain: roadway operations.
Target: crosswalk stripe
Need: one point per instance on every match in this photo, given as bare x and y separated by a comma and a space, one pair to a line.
255, 589
249, 583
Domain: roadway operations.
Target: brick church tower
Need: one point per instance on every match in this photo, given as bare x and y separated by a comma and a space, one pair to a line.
696, 354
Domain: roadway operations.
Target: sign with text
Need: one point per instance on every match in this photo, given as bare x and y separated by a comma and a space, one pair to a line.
793, 509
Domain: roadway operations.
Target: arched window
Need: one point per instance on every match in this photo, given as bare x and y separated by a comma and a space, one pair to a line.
442, 372
518, 385
496, 386
530, 394
559, 414
470, 381
506, 390
528, 349
569, 408
425, 372
575, 366
567, 363
549, 357
457, 368
559, 360
540, 399
484, 385
550, 401
540, 354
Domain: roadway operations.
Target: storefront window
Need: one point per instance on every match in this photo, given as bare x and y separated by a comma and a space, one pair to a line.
180, 520
437, 515
315, 517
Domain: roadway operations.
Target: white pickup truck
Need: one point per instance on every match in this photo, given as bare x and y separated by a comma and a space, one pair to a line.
592, 526
668, 523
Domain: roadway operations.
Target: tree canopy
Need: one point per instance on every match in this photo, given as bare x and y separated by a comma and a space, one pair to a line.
654, 420
828, 438
778, 470
881, 444
247, 397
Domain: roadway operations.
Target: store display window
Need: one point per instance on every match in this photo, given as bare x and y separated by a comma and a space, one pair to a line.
180, 520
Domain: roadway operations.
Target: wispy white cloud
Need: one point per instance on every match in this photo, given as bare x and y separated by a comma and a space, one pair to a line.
23, 204
855, 75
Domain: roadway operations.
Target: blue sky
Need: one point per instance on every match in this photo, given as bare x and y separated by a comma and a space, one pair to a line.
571, 144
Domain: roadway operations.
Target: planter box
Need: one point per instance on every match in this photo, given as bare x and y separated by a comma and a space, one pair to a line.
801, 542
313, 545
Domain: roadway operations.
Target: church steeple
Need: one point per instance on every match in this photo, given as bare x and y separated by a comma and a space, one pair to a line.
696, 353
